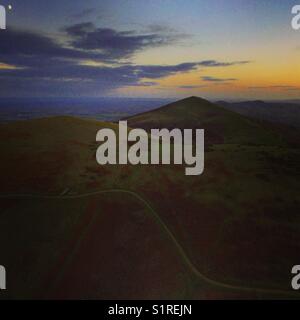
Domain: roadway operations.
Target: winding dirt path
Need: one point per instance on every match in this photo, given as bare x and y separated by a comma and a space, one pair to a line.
165, 229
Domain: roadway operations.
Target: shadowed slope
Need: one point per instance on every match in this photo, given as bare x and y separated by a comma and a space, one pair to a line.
237, 223
221, 125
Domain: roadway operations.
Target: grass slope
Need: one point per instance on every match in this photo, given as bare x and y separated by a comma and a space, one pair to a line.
221, 125
238, 223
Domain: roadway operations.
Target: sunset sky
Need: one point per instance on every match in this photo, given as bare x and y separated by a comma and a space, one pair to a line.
217, 49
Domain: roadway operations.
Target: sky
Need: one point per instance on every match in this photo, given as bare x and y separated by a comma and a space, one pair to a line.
217, 49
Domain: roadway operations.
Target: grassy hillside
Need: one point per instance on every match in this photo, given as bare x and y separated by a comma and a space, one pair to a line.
149, 231
221, 125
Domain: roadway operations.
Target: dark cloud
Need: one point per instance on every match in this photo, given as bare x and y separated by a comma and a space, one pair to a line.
106, 45
85, 42
214, 63
213, 79
121, 75
69, 78
257, 87
281, 87
83, 14
80, 29
115, 44
25, 47
191, 87
160, 28
156, 71
19, 42
44, 63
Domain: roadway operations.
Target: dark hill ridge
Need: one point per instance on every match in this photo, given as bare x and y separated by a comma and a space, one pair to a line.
286, 113
221, 125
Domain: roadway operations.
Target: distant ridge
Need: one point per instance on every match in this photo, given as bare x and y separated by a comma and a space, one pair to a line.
286, 113
221, 125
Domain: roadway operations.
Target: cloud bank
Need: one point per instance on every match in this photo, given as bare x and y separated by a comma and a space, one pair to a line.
34, 63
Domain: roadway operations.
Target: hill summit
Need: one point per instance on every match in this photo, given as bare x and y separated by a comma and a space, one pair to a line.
220, 125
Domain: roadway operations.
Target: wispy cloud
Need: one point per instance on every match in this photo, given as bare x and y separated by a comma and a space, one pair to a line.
115, 44
192, 87
160, 28
85, 13
214, 79
214, 63
274, 87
